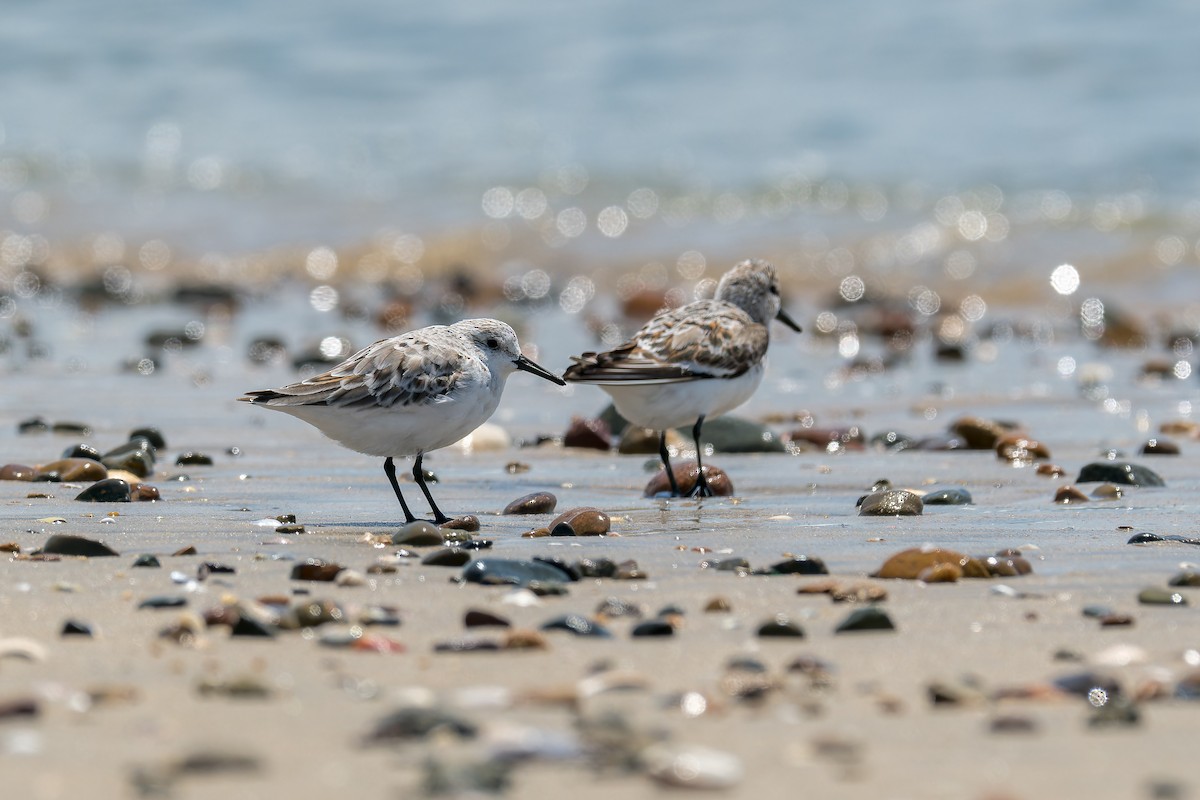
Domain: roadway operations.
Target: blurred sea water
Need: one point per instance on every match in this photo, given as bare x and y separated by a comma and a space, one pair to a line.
945, 139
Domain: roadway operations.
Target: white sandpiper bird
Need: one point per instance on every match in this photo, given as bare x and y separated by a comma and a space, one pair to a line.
409, 394
692, 362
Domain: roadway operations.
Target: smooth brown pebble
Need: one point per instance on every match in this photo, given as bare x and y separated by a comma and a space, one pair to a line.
583, 521
686, 473
1069, 494
591, 434
1021, 450
909, 564
71, 470
17, 472
1159, 447
535, 503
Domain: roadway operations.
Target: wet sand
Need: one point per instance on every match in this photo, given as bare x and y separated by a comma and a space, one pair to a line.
121, 713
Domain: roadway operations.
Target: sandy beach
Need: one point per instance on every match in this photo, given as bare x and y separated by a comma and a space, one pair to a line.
980, 691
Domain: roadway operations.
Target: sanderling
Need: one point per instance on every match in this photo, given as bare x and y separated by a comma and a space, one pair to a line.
688, 363
409, 394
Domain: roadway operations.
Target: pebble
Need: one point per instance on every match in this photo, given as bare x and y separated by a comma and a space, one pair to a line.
419, 534
136, 456
535, 503
637, 441
1148, 538
686, 473
578, 625
17, 472
1124, 473
893, 440
866, 619
953, 496
314, 569
163, 601
614, 607
76, 628
830, 440
350, 578
910, 564
590, 434
68, 545
1186, 578
653, 627
718, 605
1161, 597
447, 557
980, 434
1158, 446
891, 503
1021, 450
476, 618
1066, 495
72, 470
419, 722
1108, 491
1007, 566
82, 450
583, 521
191, 459
468, 523
513, 572
733, 434
780, 626
109, 490
1050, 470
799, 565
692, 767
1012, 723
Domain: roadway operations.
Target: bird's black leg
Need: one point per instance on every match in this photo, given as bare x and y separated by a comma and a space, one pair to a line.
419, 477
666, 459
389, 469
701, 489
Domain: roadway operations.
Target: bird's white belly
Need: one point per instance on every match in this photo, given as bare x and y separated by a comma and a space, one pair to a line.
401, 430
672, 405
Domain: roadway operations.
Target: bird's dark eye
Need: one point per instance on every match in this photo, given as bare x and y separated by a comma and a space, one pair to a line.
492, 342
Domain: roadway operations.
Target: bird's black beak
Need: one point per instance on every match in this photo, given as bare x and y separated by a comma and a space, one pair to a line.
783, 317
531, 367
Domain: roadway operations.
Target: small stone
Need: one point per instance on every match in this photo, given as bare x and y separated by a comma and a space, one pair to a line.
144, 492
1186, 578
191, 459
75, 628
1050, 470
1021, 450
653, 627
536, 503
1161, 597
1013, 723
109, 490
314, 569
686, 474
892, 440
578, 625
350, 578
447, 557
420, 722
614, 607
1108, 491
940, 573
866, 619
517, 468
730, 433
800, 565
1115, 620
830, 440
469, 645
953, 496
82, 450
1066, 495
718, 605
136, 456
1146, 537
419, 534
585, 521
908, 564
780, 626
73, 470
188, 550
67, 545
289, 528
468, 523
17, 472
475, 618
33, 425
890, 503
513, 572
591, 434
1159, 447
1007, 566
163, 601
858, 593
19, 708
979, 434
152, 435
524, 640
1123, 473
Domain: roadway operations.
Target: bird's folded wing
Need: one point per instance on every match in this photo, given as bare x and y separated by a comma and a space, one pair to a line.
386, 374
678, 347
